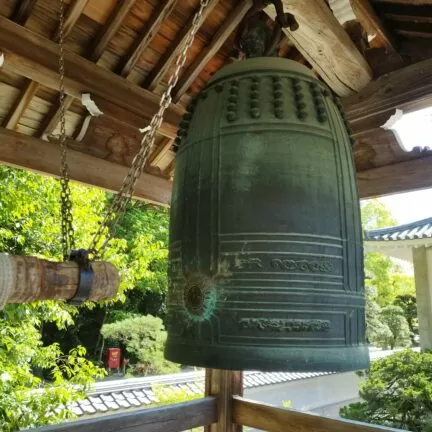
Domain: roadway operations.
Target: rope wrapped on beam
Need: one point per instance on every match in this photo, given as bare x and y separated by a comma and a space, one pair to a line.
25, 279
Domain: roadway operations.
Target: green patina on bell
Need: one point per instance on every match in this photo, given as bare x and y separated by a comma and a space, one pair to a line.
266, 259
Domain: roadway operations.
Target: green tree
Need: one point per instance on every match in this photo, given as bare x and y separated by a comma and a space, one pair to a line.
38, 380
408, 303
381, 272
396, 392
143, 339
394, 331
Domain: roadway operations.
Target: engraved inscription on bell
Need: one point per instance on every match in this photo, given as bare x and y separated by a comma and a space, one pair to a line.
266, 264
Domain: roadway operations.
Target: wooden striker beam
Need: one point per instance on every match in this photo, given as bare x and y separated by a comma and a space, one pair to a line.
25, 279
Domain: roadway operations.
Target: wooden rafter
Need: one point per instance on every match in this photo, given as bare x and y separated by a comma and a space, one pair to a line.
373, 25
22, 11
146, 35
52, 119
30, 89
228, 26
44, 157
326, 46
110, 28
160, 151
161, 68
36, 58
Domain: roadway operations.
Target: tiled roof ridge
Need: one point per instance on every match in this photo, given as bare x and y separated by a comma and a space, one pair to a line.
378, 234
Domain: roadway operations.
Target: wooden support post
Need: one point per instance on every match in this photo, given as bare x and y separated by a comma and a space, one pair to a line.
224, 384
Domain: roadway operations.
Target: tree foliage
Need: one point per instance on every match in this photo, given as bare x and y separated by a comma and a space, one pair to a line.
143, 339
394, 330
40, 343
397, 392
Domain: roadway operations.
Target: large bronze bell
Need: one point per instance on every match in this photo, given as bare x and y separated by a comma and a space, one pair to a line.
266, 260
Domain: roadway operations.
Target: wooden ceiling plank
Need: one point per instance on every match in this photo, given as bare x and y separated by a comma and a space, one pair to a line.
326, 46
160, 151
30, 153
407, 88
169, 170
36, 58
149, 31
373, 25
228, 26
158, 72
401, 177
22, 11
30, 89
110, 28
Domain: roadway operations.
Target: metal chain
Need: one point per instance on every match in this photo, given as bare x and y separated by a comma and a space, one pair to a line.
118, 206
68, 242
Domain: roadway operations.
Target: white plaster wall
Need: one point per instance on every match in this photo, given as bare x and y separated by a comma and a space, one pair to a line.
322, 395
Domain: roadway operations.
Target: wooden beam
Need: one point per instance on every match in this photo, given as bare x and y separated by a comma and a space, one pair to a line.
160, 151
169, 418
392, 16
26, 152
108, 31
326, 46
110, 28
224, 384
22, 11
161, 68
396, 178
36, 58
228, 26
373, 25
408, 89
146, 35
30, 89
274, 419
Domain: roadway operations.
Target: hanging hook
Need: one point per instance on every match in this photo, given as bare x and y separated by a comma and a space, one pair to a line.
254, 39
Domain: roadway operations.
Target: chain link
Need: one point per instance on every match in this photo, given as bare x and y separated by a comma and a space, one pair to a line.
68, 242
118, 206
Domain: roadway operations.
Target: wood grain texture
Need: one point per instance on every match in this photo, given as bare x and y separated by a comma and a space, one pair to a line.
169, 418
224, 384
373, 25
31, 88
273, 419
326, 46
110, 28
21, 104
400, 177
407, 88
158, 72
228, 26
35, 57
35, 279
23, 11
142, 42
26, 152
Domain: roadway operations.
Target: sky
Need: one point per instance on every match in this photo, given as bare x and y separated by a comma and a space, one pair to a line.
410, 206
